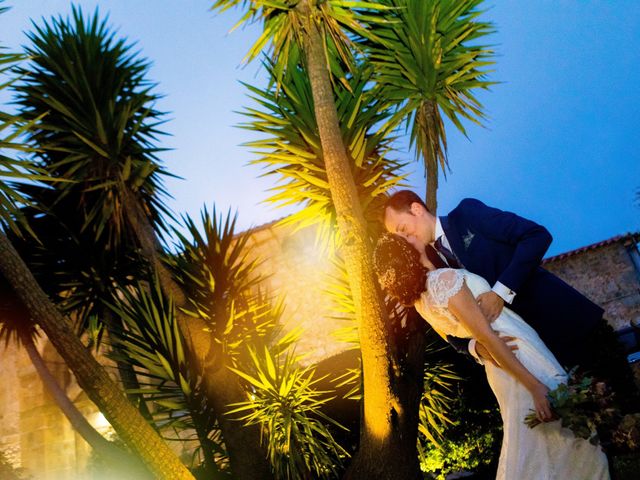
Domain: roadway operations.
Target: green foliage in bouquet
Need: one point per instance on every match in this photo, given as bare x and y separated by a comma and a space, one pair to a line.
583, 405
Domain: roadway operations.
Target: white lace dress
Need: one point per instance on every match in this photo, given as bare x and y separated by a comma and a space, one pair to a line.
546, 452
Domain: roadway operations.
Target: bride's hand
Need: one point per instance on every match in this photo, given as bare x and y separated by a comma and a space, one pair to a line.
541, 402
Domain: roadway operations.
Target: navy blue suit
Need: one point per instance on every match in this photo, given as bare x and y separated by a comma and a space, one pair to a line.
501, 246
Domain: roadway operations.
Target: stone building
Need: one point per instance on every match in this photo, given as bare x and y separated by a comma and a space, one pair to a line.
608, 273
35, 436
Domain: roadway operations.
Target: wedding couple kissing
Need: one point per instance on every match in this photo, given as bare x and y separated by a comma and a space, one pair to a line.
474, 275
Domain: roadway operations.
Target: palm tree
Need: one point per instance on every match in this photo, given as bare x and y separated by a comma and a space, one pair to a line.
319, 33
90, 375
99, 132
291, 152
428, 62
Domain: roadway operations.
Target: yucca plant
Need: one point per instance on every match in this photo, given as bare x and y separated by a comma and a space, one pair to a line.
97, 122
154, 346
213, 268
100, 133
151, 342
90, 375
288, 407
211, 265
429, 60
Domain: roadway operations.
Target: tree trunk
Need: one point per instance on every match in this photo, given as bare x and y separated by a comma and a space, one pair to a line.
247, 455
429, 123
432, 186
91, 377
389, 429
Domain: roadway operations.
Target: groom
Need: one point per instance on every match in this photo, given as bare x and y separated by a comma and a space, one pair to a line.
507, 250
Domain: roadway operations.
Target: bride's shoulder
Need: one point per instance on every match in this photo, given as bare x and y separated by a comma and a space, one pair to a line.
444, 283
446, 274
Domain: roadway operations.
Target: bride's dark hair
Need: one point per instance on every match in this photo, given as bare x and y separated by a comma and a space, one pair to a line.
399, 270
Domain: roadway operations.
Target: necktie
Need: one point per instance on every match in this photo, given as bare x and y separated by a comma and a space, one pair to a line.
434, 258
447, 254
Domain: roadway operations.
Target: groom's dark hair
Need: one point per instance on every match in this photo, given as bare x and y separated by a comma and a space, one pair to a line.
401, 201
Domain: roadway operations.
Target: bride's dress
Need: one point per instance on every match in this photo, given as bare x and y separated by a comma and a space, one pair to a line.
546, 452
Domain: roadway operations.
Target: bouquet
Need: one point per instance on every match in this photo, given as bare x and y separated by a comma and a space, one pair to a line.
583, 405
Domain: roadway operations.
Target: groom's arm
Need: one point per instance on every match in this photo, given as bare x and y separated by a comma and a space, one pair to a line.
465, 346
530, 240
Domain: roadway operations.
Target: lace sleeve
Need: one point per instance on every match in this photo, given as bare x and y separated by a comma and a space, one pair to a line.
442, 284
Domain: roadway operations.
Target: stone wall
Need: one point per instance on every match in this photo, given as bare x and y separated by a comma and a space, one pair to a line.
606, 274
294, 266
35, 435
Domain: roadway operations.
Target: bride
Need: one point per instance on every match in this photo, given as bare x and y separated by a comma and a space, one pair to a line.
520, 380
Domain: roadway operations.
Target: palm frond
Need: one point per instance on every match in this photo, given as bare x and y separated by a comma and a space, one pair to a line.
13, 171
290, 149
283, 35
89, 111
429, 60
288, 407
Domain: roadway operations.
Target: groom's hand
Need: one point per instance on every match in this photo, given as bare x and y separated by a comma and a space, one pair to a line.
491, 305
484, 354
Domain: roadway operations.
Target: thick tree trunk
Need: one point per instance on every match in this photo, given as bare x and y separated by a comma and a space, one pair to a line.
389, 425
91, 377
247, 454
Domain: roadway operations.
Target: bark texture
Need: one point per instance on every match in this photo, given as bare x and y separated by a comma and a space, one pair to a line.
389, 423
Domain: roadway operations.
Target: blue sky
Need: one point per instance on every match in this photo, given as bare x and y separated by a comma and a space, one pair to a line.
560, 146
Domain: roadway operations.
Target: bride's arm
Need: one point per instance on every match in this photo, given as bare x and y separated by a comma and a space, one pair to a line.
464, 306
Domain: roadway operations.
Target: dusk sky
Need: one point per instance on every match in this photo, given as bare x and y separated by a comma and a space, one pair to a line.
561, 145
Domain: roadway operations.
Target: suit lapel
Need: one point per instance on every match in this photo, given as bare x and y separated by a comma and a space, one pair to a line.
454, 238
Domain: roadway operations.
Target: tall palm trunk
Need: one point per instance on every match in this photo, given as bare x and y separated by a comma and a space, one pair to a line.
429, 122
247, 455
390, 417
91, 377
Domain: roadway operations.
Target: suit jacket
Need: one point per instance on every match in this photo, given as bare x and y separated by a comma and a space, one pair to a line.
501, 246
